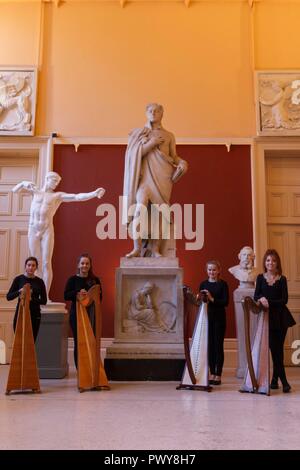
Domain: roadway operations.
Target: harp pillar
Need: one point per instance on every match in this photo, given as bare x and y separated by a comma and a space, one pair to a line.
238, 295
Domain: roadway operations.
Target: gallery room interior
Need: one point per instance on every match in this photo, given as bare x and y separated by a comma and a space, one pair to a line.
94, 91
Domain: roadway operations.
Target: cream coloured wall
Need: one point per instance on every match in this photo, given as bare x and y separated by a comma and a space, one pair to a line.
19, 33
104, 63
277, 34
100, 63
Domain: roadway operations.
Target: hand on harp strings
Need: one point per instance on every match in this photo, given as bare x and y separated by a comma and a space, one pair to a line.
22, 292
203, 296
83, 297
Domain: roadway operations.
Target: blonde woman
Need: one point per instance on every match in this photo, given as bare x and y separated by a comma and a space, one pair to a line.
215, 291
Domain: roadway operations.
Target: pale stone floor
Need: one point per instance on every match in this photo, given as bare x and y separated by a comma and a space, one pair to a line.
149, 415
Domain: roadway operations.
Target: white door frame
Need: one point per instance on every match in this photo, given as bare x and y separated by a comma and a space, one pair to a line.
40, 148
258, 169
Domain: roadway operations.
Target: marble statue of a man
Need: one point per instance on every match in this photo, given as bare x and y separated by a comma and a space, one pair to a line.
44, 205
245, 271
151, 168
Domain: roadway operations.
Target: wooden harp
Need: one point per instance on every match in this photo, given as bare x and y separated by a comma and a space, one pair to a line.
23, 372
195, 374
91, 373
257, 377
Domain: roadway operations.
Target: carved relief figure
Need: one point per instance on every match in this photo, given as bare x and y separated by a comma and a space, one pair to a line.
145, 316
279, 106
15, 91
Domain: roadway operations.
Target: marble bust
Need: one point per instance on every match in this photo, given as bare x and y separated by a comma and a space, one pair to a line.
245, 271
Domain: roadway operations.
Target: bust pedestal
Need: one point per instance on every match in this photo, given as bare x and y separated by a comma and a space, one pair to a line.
52, 341
137, 353
244, 290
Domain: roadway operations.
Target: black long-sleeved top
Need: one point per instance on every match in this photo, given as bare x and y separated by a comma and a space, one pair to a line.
219, 291
277, 296
75, 284
38, 292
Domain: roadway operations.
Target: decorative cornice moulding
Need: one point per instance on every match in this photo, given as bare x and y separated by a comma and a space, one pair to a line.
123, 3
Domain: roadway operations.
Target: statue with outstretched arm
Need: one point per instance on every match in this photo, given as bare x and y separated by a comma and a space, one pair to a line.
45, 202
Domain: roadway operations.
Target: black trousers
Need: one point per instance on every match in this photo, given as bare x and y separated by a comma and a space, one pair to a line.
276, 342
216, 333
35, 322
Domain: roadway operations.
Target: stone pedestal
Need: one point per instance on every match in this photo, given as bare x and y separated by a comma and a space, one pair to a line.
148, 345
52, 342
238, 296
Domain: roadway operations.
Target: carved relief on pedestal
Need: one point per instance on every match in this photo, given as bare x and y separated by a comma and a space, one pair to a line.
143, 315
17, 101
278, 103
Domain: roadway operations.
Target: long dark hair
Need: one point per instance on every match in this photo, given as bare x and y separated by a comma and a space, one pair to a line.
91, 276
275, 255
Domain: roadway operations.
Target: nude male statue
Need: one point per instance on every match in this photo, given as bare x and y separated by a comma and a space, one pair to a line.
151, 168
44, 205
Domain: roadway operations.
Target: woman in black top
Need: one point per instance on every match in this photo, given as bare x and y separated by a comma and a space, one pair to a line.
80, 284
38, 293
216, 292
272, 292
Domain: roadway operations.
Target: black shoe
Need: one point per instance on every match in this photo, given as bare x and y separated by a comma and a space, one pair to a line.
286, 388
211, 382
217, 382
274, 384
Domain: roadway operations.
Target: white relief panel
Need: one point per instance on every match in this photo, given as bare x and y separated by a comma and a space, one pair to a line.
17, 100
4, 253
278, 102
5, 203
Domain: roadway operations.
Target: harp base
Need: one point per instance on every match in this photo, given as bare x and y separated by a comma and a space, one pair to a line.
28, 390
201, 388
93, 389
259, 392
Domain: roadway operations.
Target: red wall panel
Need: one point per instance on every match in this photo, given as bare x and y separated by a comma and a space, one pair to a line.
218, 179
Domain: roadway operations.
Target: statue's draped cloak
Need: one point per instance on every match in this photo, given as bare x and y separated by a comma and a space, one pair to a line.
151, 173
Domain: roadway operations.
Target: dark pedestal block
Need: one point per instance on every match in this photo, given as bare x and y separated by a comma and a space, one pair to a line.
52, 342
144, 369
